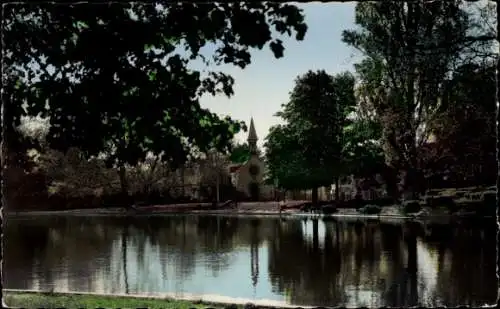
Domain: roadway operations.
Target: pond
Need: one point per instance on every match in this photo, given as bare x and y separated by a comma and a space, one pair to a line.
306, 262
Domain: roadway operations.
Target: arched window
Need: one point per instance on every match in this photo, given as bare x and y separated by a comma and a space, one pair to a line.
254, 170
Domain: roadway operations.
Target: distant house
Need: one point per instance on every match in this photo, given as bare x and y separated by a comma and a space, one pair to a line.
366, 188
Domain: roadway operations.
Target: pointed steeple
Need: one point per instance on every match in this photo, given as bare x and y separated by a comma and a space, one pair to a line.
252, 137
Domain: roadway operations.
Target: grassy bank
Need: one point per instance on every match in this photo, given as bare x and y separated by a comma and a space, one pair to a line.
55, 300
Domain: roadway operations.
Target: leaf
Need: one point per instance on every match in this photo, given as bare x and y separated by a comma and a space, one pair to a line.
277, 48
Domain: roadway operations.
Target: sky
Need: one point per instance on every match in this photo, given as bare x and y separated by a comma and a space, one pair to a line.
265, 84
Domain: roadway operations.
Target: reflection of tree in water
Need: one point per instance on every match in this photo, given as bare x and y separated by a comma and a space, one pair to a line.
22, 245
468, 261
182, 241
300, 267
350, 265
352, 257
365, 253
466, 266
350, 262
403, 288
125, 258
254, 252
53, 248
217, 238
365, 268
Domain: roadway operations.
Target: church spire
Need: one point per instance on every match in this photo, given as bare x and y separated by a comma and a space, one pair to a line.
252, 137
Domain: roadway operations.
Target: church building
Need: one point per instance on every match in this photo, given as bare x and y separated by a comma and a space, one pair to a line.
248, 177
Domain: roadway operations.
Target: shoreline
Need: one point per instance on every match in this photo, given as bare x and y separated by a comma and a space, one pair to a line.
207, 300
389, 213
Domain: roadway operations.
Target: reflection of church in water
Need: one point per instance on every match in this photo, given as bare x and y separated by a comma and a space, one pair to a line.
254, 253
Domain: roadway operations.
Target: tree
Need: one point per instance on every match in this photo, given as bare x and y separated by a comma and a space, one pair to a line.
214, 169
316, 115
465, 124
113, 78
363, 155
240, 153
149, 175
283, 159
410, 48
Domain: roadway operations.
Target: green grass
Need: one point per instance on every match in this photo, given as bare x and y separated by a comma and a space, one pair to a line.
55, 300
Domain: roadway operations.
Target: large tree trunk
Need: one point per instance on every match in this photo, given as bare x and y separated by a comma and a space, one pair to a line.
337, 188
122, 173
391, 181
183, 189
314, 196
412, 183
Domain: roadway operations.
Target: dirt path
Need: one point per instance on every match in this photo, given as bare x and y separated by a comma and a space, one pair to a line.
241, 208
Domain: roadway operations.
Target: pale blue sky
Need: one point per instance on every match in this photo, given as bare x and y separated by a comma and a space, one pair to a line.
264, 85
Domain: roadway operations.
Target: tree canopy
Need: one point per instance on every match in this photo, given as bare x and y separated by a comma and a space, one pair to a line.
309, 147
410, 48
464, 126
240, 153
363, 154
113, 77
283, 159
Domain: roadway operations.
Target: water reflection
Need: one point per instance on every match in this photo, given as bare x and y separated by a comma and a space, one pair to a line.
303, 262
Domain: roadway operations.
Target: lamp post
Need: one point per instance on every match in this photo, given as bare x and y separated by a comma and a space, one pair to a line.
275, 188
217, 186
276, 193
216, 169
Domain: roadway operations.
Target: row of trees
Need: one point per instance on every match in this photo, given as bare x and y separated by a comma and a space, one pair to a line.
428, 71
71, 175
113, 82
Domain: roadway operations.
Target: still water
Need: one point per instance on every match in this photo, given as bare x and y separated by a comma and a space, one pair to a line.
301, 262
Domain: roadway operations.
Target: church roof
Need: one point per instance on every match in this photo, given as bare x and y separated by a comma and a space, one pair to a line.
252, 135
233, 168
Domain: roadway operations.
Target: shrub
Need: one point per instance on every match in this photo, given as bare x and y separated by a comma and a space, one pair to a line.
354, 203
306, 207
449, 192
329, 209
475, 196
411, 206
433, 192
489, 196
382, 201
489, 200
468, 204
440, 201
370, 209
461, 193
